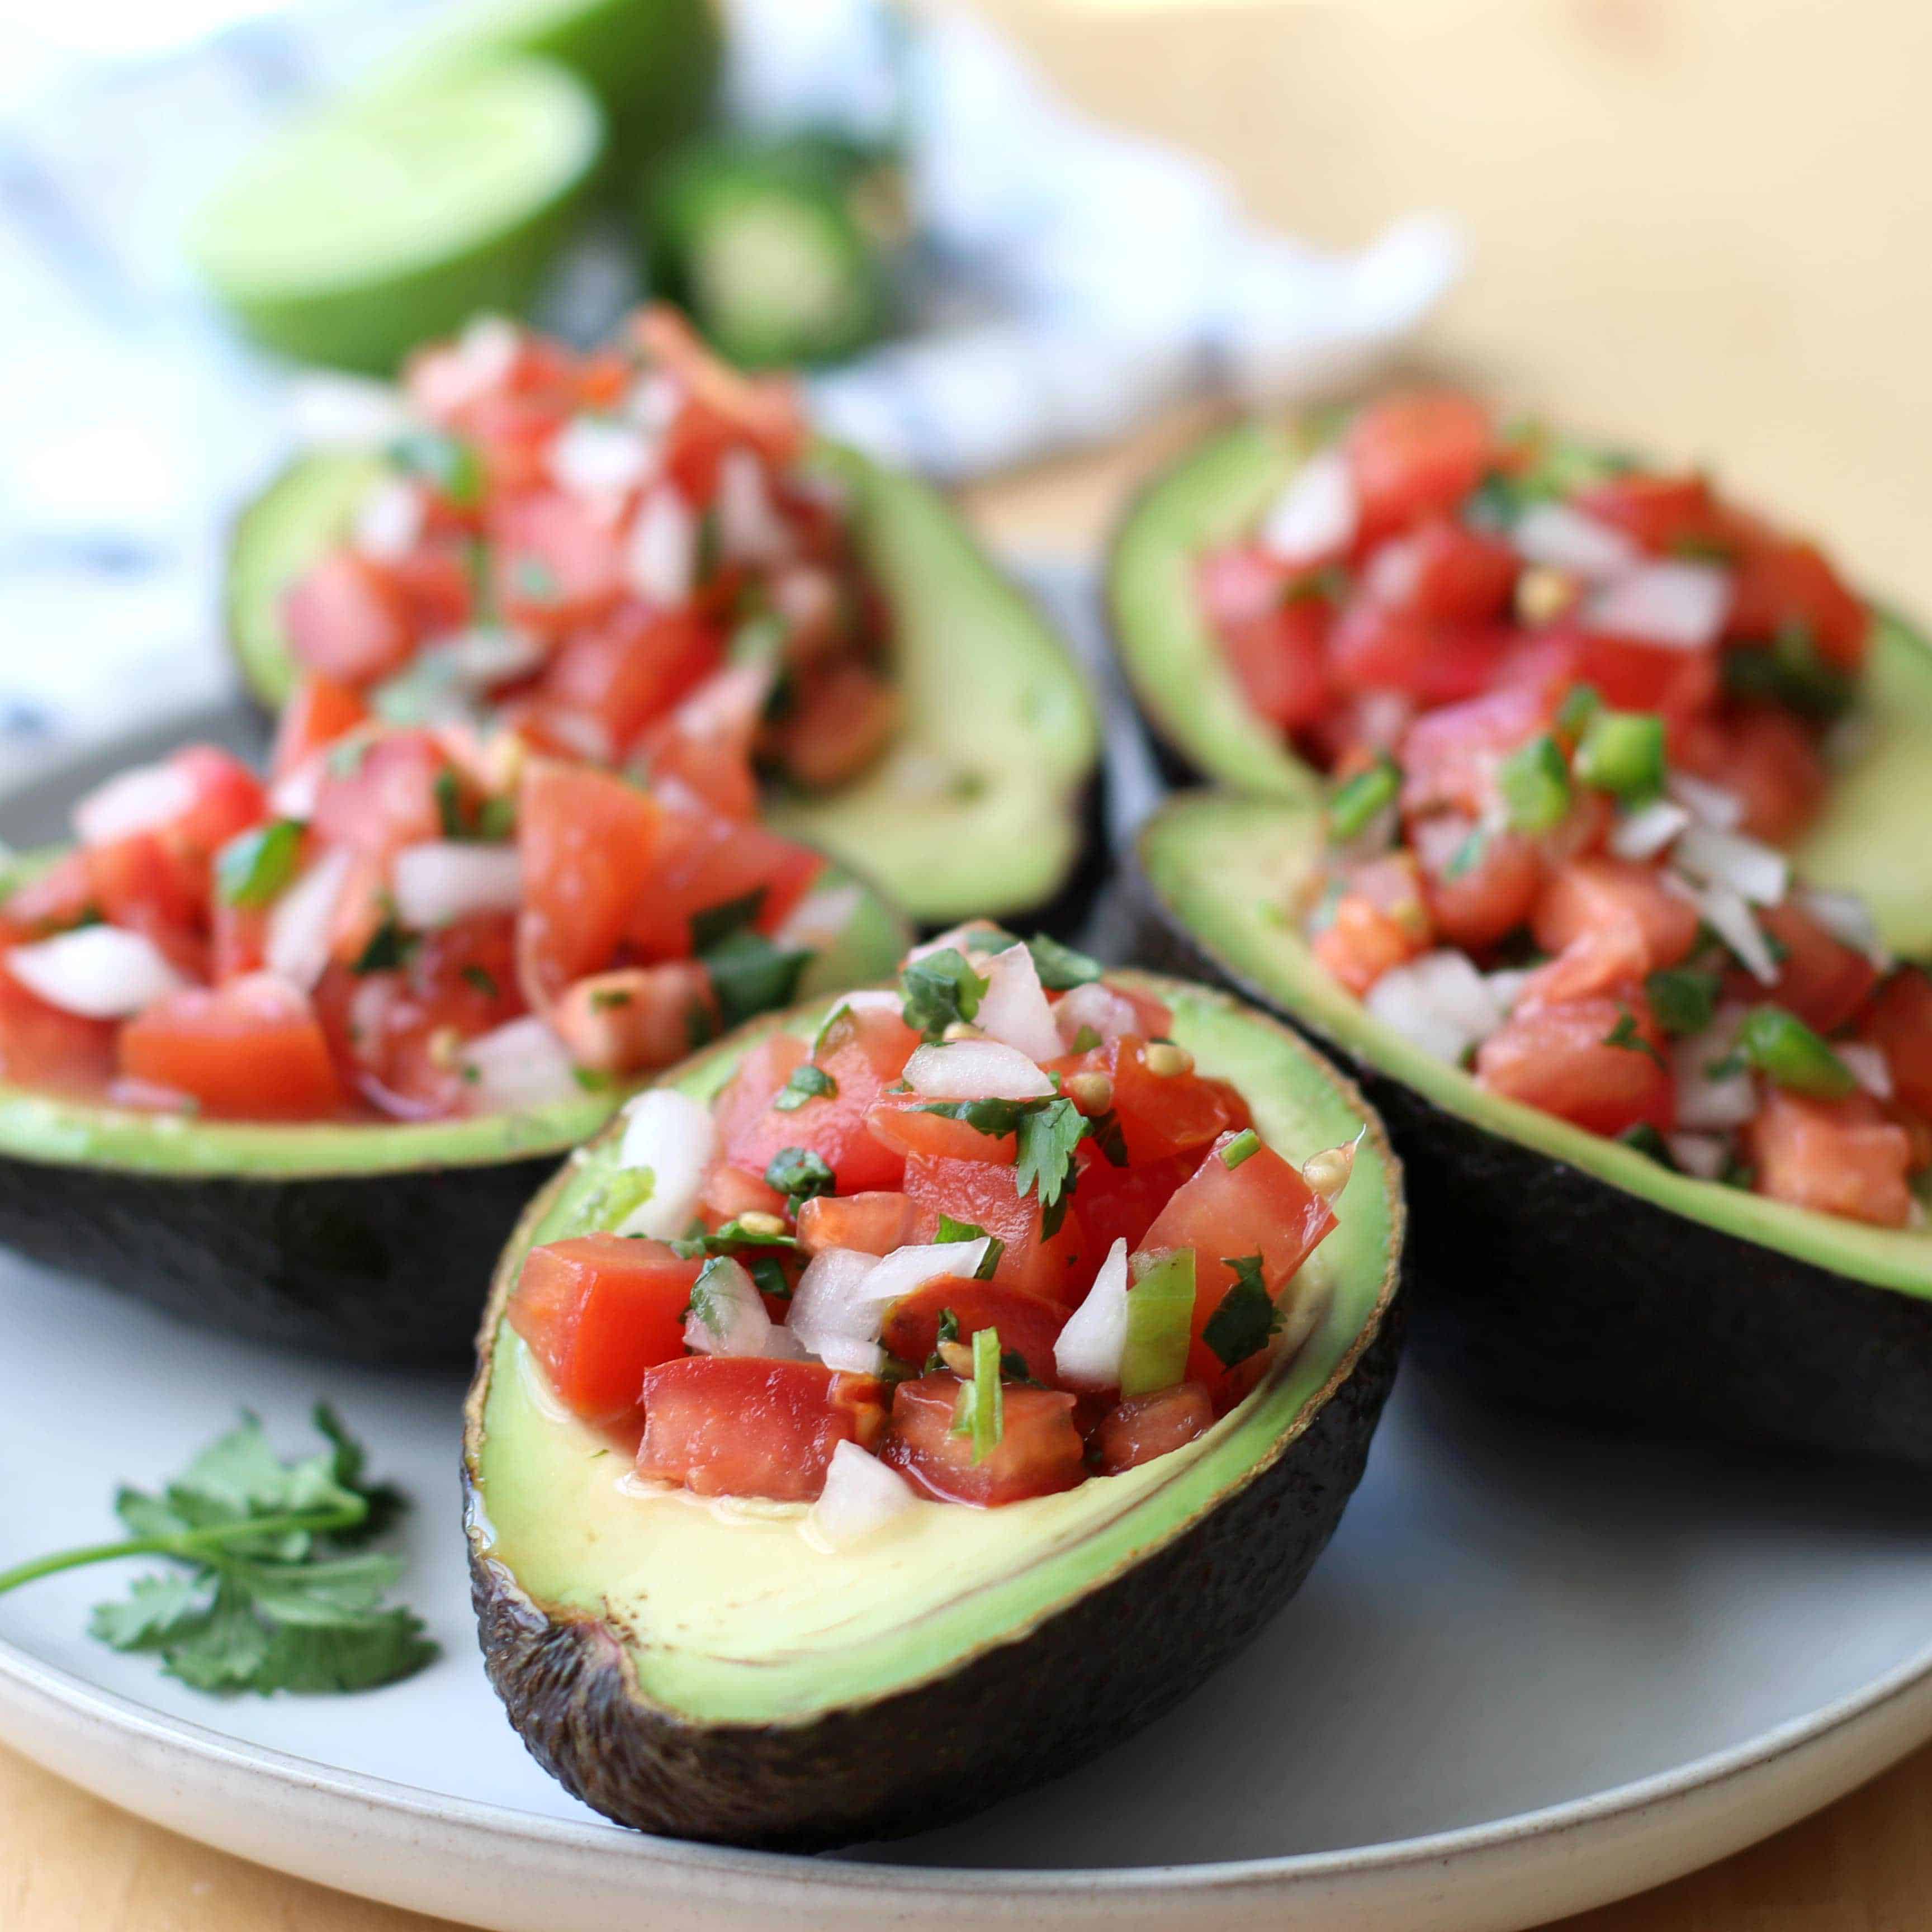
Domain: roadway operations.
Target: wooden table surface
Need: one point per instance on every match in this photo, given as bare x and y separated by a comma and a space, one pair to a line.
1703, 226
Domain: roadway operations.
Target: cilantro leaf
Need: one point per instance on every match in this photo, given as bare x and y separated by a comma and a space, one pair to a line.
1625, 1035
278, 1591
807, 1082
1247, 1317
717, 923
1059, 967
750, 976
939, 990
800, 1173
1047, 1136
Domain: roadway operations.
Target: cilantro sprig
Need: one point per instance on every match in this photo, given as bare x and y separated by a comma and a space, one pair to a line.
278, 1589
939, 990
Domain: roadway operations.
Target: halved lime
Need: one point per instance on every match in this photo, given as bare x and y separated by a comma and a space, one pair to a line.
398, 214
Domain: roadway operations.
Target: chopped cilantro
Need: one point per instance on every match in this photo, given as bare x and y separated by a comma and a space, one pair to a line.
1648, 1141
1086, 1040
1047, 1136
447, 464
449, 804
940, 990
1684, 999
483, 979
1354, 804
717, 923
1624, 1034
496, 820
389, 948
807, 1082
750, 975
1247, 1316
800, 1173
251, 871
1059, 967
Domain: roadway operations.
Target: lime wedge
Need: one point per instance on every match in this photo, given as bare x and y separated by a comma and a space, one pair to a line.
396, 216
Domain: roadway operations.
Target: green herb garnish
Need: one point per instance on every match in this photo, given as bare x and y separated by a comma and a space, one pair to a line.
799, 1173
1790, 671
950, 1230
1534, 781
716, 924
1684, 999
1624, 1034
1648, 1141
1247, 1317
940, 991
980, 1410
1059, 967
1244, 1146
251, 871
807, 1082
484, 981
1621, 752
1786, 1051
279, 1591
1354, 803
1581, 702
447, 464
750, 976
1047, 1138
389, 948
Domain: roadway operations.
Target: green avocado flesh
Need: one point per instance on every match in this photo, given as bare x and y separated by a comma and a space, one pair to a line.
1868, 840
1225, 869
727, 1615
975, 809
47, 1128
396, 215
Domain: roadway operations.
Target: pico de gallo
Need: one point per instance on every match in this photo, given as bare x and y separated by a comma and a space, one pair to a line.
983, 1238
1528, 886
626, 555
398, 923
1427, 556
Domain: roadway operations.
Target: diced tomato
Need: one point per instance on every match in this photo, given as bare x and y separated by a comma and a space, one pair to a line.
1899, 1023
346, 619
1605, 959
1240, 584
739, 1110
1120, 1204
1137, 1431
252, 1049
1475, 905
143, 884
631, 669
764, 410
1449, 758
1028, 1325
61, 896
731, 1191
1663, 515
636, 1018
737, 1426
597, 1312
1160, 1114
41, 1045
1559, 1058
1833, 1156
1444, 572
554, 563
1820, 978
705, 745
1415, 452
394, 1035
385, 797
1154, 1018
874, 1223
1381, 922
862, 1049
1429, 659
240, 941
1281, 659
985, 1194
841, 721
1626, 673
1769, 760
1590, 895
228, 798
1039, 1452
435, 584
1780, 582
321, 711
591, 844
703, 860
900, 1121
1262, 1207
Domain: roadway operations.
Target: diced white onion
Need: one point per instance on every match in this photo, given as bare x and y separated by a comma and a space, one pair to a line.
1728, 916
654, 401
1563, 539
1711, 803
442, 881
1439, 1001
1757, 873
749, 530
1088, 1355
862, 1494
1707, 1102
818, 920
484, 356
1867, 1066
297, 946
1013, 1008
1848, 919
1648, 829
832, 1316
1317, 514
483, 656
294, 795
138, 800
389, 523
1506, 985
594, 456
519, 1065
976, 1069
1701, 1155
675, 1137
1096, 1007
99, 972
727, 1316
660, 553
912, 1266
1676, 606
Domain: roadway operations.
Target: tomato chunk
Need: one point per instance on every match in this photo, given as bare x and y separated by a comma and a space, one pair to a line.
41, 1045
252, 1049
873, 1222
631, 669
1137, 1431
1769, 760
1560, 1058
597, 1312
1474, 906
385, 797
554, 563
1780, 583
1028, 1325
1820, 978
346, 618
1833, 1156
1591, 895
1039, 1452
1661, 514
900, 1121
1120, 1204
1900, 1024
321, 711
1415, 452
1433, 660
737, 1426
1379, 922
1281, 658
977, 1192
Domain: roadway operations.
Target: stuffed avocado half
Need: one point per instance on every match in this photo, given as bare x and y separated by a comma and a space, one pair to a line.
1563, 1269
980, 801
708, 1666
1880, 790
367, 1239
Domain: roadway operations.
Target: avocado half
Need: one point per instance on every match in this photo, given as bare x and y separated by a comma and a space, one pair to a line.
981, 807
368, 1242
1869, 840
1562, 1269
701, 1671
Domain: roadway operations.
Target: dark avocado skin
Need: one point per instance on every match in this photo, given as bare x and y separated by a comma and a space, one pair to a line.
382, 1268
1021, 1712
1553, 1290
